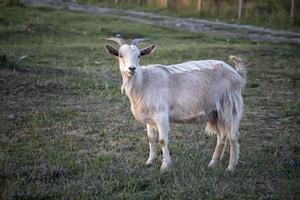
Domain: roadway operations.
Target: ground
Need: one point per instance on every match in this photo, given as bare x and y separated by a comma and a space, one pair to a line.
67, 131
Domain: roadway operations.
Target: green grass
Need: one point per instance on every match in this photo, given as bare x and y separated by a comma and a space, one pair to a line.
66, 132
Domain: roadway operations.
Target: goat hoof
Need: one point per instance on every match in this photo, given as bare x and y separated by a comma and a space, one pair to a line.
212, 163
230, 169
165, 167
150, 161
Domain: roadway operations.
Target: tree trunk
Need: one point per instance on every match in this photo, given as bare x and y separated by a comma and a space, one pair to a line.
292, 10
240, 9
166, 3
199, 5
139, 2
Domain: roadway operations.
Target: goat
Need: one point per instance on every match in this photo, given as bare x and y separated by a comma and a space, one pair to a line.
209, 90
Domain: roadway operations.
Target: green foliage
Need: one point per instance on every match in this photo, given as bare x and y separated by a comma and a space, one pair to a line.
66, 132
12, 3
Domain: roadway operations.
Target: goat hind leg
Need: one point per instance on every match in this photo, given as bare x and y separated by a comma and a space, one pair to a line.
219, 150
234, 153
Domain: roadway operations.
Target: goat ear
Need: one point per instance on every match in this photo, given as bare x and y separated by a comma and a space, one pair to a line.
148, 50
110, 50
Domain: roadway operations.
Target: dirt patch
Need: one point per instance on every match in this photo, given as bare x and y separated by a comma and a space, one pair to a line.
43, 171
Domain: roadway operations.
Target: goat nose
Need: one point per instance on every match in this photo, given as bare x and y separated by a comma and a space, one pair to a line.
131, 68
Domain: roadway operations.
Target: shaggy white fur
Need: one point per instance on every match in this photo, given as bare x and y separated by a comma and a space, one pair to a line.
192, 66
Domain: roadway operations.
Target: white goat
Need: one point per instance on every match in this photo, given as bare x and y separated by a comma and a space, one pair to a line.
209, 90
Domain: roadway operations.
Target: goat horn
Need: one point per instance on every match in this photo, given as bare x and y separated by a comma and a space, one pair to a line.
138, 40
119, 41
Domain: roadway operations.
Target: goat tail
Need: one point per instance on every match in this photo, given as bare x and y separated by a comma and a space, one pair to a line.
230, 110
239, 65
226, 119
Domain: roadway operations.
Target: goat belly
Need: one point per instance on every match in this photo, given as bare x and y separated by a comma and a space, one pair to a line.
199, 118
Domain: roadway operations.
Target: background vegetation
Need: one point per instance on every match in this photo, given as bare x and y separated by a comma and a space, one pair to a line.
66, 132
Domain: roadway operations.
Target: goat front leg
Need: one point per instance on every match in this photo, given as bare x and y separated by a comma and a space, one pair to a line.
162, 123
152, 146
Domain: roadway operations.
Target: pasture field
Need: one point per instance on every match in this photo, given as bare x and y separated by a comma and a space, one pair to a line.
66, 131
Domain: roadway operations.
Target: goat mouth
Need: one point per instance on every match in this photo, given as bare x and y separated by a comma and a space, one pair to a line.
131, 73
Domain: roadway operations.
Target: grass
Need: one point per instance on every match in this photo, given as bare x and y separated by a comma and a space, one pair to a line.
66, 132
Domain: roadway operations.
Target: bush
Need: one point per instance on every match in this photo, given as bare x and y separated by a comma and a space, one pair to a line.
13, 3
